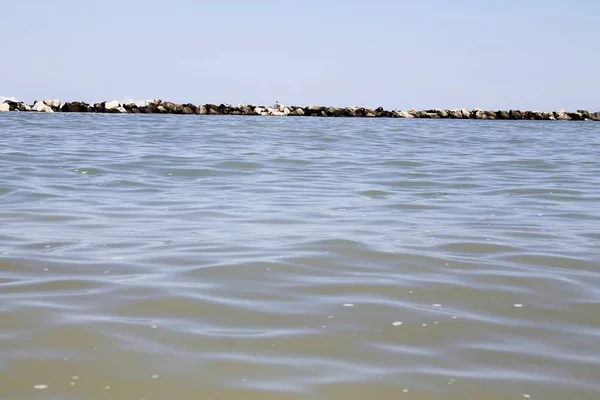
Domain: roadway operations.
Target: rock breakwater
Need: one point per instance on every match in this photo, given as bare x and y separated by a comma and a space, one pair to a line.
166, 107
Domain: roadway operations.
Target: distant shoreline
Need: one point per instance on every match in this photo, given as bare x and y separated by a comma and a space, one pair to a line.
166, 107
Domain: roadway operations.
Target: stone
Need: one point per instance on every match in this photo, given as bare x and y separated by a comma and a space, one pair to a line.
188, 109
516, 114
172, 108
39, 106
202, 110
455, 113
132, 108
402, 114
110, 105
502, 115
298, 111
54, 104
75, 106
562, 115
121, 109
4, 107
477, 113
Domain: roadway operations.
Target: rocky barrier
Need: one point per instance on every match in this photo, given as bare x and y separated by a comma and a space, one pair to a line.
166, 107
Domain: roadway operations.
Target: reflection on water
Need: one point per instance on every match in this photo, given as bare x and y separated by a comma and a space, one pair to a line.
159, 257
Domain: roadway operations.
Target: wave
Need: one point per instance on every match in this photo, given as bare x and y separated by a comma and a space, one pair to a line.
4, 98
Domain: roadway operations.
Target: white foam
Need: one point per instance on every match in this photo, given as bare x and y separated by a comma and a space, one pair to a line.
518, 305
4, 98
348, 305
40, 387
397, 323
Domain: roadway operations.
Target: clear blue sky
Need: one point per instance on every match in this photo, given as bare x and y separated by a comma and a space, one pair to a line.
494, 54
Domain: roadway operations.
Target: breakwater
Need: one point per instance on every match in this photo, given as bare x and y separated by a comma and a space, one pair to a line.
166, 107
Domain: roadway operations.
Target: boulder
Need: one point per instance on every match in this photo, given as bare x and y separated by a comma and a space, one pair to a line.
576, 116
201, 110
188, 109
402, 114
588, 115
39, 106
562, 115
516, 114
455, 113
172, 108
477, 113
76, 106
53, 104
298, 112
502, 115
132, 108
4, 107
110, 105
17, 105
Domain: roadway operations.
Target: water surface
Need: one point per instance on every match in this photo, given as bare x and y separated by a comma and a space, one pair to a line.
185, 257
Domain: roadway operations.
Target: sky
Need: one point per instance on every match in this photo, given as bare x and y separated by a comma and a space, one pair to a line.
491, 54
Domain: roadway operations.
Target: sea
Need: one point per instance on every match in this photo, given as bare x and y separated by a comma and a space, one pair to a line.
229, 257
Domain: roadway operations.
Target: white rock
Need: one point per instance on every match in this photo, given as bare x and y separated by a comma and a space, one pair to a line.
39, 106
122, 110
403, 114
109, 105
4, 107
52, 103
259, 110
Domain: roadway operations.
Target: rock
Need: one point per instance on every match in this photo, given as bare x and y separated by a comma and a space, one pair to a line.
562, 115
75, 106
17, 105
172, 108
39, 106
110, 105
587, 115
426, 114
455, 113
437, 111
576, 116
188, 109
259, 110
478, 113
4, 107
402, 114
298, 111
202, 110
516, 114
121, 109
53, 104
132, 108
502, 115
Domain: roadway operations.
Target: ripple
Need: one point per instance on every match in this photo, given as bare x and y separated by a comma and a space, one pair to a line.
298, 258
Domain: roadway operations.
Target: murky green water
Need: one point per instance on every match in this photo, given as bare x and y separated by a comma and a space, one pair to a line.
172, 257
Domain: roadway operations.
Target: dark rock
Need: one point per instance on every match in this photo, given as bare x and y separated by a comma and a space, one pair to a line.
576, 116
490, 115
132, 108
502, 115
515, 114
172, 108
17, 105
76, 106
188, 108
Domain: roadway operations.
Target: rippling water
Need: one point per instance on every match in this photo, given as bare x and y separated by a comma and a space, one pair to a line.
172, 257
